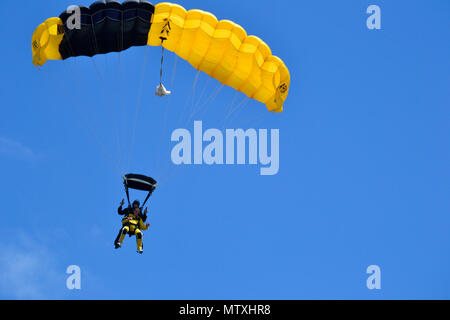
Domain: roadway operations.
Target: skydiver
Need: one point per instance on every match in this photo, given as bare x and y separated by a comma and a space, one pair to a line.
136, 204
132, 224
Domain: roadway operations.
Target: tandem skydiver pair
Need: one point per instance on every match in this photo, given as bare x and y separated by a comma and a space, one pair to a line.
135, 217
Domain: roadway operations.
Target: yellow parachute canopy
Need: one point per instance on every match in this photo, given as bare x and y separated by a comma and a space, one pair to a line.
221, 49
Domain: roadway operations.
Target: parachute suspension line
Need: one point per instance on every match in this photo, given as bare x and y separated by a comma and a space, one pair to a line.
110, 103
183, 113
235, 111
104, 87
195, 109
74, 76
213, 95
138, 103
169, 171
239, 110
97, 70
174, 71
82, 115
208, 102
243, 102
122, 110
84, 119
195, 105
195, 89
191, 103
231, 106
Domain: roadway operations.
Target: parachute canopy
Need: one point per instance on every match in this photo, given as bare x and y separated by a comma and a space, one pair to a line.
139, 182
222, 49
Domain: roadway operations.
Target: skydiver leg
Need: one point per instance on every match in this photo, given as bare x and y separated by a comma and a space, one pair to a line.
116, 241
123, 233
139, 244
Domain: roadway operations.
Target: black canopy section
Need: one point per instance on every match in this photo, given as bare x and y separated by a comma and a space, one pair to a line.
107, 26
139, 182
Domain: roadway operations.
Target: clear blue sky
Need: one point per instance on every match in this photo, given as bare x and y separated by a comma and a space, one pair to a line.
364, 162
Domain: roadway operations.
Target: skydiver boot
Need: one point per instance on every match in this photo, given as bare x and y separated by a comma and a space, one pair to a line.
118, 245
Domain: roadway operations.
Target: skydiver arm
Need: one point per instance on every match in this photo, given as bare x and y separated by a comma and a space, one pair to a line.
143, 226
120, 211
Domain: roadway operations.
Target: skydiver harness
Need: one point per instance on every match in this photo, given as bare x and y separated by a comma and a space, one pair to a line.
132, 224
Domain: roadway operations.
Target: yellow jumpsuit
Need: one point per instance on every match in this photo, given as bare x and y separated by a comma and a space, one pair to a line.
132, 226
